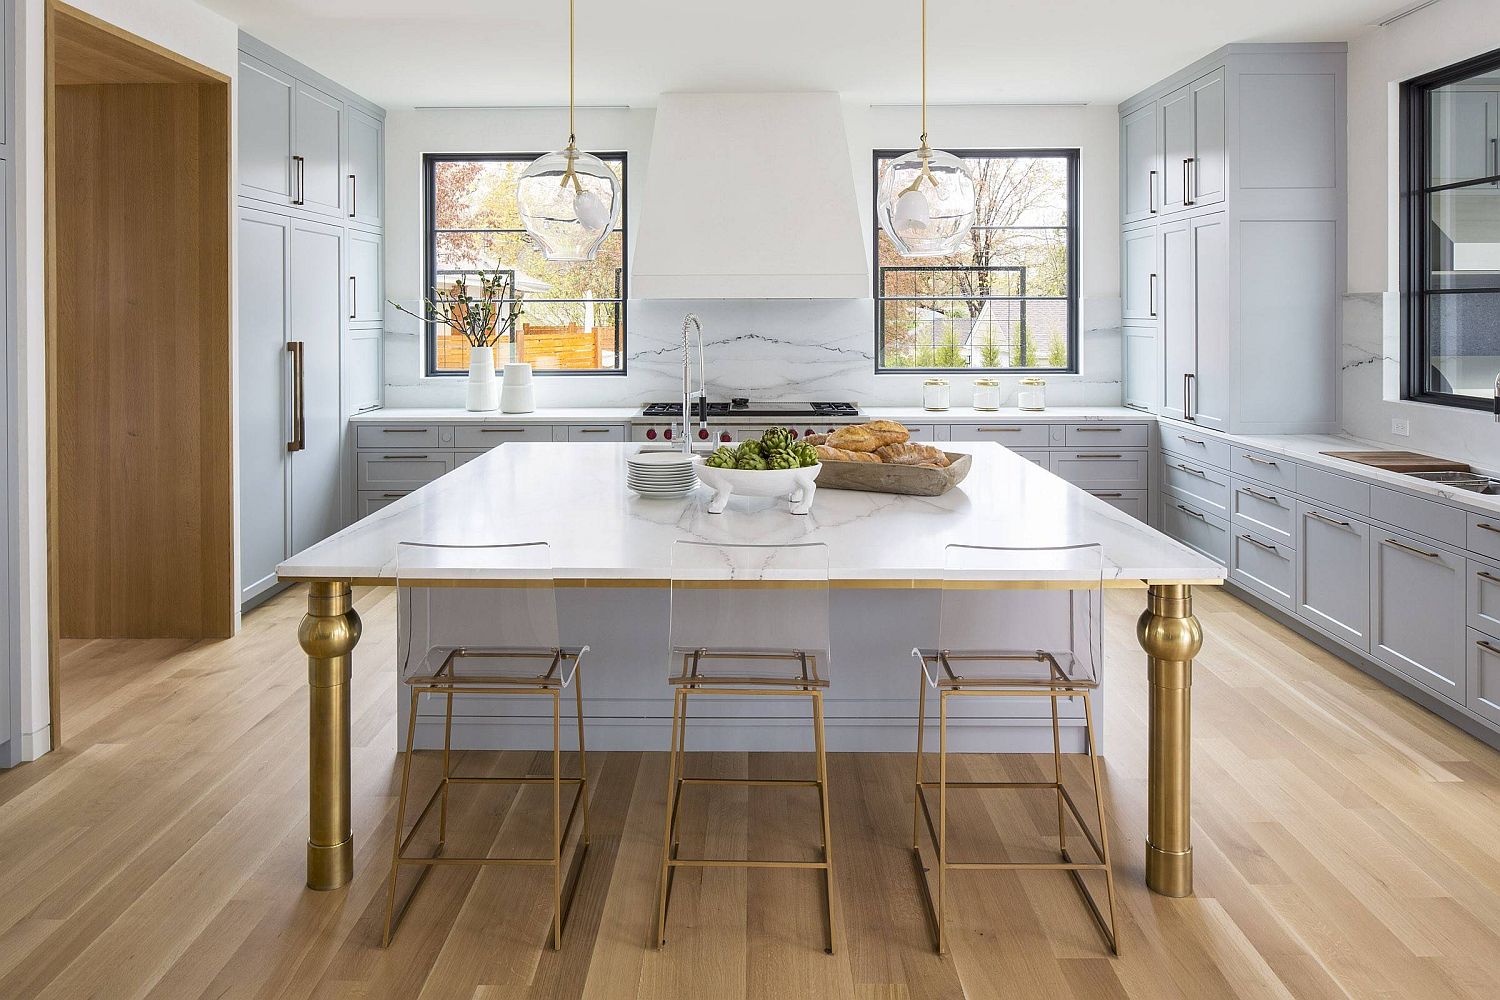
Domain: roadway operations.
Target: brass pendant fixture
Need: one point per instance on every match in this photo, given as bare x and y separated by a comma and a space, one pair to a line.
925, 200
569, 199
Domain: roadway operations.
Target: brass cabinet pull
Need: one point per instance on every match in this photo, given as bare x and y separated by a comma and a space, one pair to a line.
1487, 576
1192, 471
593, 430
1493, 651
1487, 526
1256, 459
999, 430
1099, 430
1099, 455
299, 426
1261, 545
392, 496
1414, 551
403, 430
401, 458
1107, 494
1328, 520
1197, 441
1261, 496
1194, 513
502, 430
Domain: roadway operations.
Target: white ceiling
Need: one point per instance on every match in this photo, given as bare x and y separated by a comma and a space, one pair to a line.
404, 53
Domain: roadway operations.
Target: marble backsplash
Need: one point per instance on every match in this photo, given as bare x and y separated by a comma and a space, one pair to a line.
771, 349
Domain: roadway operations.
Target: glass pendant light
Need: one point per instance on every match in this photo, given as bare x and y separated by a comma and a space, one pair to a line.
925, 200
568, 200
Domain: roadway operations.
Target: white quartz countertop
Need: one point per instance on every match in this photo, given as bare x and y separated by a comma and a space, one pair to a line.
574, 497
618, 414
458, 415
1007, 415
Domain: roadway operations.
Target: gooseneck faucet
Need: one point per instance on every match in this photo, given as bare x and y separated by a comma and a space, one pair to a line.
687, 439
1497, 398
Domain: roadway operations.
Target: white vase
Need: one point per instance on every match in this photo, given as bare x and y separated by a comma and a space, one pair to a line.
516, 395
483, 391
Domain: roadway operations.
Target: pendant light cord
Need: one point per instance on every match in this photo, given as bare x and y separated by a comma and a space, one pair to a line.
569, 174
924, 71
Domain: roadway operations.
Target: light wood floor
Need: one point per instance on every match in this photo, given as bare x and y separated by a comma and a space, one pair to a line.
1347, 844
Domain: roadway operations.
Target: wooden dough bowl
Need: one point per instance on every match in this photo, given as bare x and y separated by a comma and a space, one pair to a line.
912, 480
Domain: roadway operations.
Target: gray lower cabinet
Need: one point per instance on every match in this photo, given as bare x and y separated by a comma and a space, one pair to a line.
401, 472
1195, 529
1010, 435
370, 501
1484, 597
1136, 503
1199, 484
1333, 574
1120, 470
1484, 676
1417, 602
1263, 566
1271, 514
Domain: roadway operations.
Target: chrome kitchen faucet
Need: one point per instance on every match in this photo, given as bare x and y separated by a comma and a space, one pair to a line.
687, 439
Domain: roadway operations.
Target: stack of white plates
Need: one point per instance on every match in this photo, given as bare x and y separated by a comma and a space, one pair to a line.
661, 474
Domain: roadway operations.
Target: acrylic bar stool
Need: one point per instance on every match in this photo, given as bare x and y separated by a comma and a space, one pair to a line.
463, 637
747, 621
1038, 638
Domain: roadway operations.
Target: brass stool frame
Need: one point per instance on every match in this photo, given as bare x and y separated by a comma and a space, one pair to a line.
1057, 686
447, 682
808, 685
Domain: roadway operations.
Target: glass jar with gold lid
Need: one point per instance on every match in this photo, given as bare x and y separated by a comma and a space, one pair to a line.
936, 394
1032, 395
986, 394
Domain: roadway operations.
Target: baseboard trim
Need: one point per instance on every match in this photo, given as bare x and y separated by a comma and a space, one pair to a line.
36, 744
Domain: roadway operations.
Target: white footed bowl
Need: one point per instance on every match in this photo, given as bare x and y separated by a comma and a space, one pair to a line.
795, 484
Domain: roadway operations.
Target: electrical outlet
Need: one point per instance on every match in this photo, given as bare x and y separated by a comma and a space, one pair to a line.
1400, 427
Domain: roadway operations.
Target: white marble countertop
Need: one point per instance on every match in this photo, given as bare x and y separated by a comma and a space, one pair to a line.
574, 497
458, 415
1308, 449
1007, 415
619, 414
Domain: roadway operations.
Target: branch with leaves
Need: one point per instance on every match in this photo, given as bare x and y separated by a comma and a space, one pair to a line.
484, 319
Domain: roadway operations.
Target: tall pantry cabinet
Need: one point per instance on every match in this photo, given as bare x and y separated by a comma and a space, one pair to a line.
311, 315
1232, 205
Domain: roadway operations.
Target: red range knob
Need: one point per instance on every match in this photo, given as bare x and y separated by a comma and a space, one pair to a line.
667, 433
702, 434
725, 437
809, 432
650, 433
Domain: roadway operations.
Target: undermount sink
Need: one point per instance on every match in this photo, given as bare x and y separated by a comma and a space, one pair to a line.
1473, 482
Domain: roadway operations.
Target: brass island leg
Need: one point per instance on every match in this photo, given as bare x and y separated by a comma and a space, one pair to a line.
1171, 637
328, 634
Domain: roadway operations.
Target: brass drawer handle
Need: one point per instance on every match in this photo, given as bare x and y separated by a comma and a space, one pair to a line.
1108, 494
1261, 496
1262, 545
1197, 441
1257, 460
1099, 455
1487, 526
999, 430
1191, 511
502, 430
1487, 576
1414, 551
392, 496
401, 458
1329, 520
1192, 471
593, 430
1487, 647
403, 430
1099, 430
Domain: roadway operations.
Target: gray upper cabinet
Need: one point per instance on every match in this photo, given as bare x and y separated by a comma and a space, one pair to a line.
366, 136
1140, 368
1138, 275
265, 131
1194, 315
1206, 166
1175, 112
1418, 612
1140, 166
1179, 352
364, 294
318, 151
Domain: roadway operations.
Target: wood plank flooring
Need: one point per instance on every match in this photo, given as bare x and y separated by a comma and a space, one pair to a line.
1347, 845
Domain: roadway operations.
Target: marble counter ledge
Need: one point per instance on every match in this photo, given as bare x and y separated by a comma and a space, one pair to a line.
458, 415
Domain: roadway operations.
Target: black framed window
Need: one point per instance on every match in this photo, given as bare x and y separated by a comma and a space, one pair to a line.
1008, 300
572, 318
1451, 233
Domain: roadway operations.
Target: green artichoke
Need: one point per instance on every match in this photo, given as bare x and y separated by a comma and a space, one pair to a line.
723, 458
750, 461
782, 458
776, 438
806, 454
752, 448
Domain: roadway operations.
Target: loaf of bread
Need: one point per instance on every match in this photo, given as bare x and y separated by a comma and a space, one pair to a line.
827, 453
868, 437
815, 439
912, 453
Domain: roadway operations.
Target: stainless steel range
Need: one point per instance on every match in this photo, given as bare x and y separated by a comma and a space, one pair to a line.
738, 419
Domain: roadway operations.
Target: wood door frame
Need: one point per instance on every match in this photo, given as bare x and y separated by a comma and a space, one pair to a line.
155, 63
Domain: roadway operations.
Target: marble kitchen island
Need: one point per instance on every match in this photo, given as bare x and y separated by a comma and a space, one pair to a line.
611, 553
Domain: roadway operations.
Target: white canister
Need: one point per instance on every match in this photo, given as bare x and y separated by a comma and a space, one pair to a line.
986, 394
516, 395
1032, 395
936, 394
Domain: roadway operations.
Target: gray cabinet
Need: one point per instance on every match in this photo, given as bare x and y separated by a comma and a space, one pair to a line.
1333, 574
366, 301
1417, 612
265, 130
364, 369
1178, 346
1270, 514
1263, 567
1483, 681
366, 185
318, 151
1195, 529
1140, 367
1206, 168
316, 324
1138, 275
1175, 112
1140, 165
1193, 324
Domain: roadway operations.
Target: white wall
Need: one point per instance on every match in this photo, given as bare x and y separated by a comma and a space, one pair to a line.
185, 28
767, 348
1379, 61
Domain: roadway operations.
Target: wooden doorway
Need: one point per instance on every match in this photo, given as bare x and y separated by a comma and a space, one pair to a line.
140, 450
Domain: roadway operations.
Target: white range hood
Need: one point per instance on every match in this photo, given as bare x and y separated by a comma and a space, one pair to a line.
749, 196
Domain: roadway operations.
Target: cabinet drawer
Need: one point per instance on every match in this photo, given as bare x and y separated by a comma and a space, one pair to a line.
1418, 607
1199, 484
1042, 458
597, 432
1484, 676
401, 471
1333, 574
1334, 490
1133, 502
371, 501
396, 436
1195, 529
1263, 566
1010, 435
1273, 470
1268, 513
1192, 445
1108, 436
460, 457
489, 435
1484, 597
1121, 470
1484, 535
1426, 517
